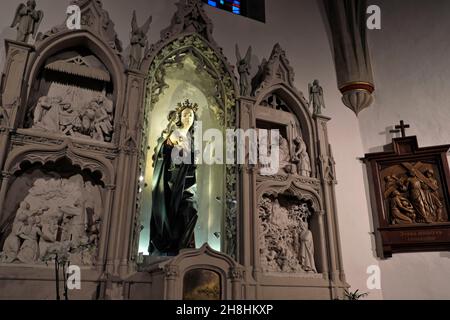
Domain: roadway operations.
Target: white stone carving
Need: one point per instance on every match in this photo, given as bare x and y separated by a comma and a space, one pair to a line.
92, 120
286, 243
301, 157
56, 211
285, 159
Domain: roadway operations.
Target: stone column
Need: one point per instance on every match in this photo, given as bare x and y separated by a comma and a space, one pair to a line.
327, 177
323, 245
171, 276
105, 229
14, 82
236, 281
248, 219
12, 91
124, 205
4, 143
245, 236
3, 189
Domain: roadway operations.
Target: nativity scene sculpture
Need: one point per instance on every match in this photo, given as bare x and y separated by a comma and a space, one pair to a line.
175, 204
27, 21
93, 120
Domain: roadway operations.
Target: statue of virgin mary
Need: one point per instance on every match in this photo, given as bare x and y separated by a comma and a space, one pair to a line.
174, 185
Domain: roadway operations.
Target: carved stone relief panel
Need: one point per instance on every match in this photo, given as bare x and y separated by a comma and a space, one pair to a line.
57, 212
73, 97
285, 239
294, 157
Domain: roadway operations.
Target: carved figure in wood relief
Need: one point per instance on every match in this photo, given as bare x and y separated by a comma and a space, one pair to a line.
417, 196
402, 210
433, 198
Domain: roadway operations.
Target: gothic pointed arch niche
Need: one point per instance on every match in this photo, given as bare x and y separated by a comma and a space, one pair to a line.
298, 120
74, 68
189, 67
65, 191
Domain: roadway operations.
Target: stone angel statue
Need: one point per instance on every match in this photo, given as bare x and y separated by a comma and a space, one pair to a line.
27, 20
243, 66
316, 97
138, 41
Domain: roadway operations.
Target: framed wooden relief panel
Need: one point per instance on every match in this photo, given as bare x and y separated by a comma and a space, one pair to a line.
409, 189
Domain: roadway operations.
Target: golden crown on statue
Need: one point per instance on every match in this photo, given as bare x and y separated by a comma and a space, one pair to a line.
187, 104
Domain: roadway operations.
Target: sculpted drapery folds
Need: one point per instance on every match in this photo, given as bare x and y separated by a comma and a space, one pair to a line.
433, 198
301, 157
316, 97
174, 187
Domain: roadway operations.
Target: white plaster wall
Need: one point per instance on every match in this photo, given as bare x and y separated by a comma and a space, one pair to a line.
298, 27
411, 61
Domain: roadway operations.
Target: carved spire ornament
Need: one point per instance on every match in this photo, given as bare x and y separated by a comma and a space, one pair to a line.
277, 69
138, 41
93, 18
190, 18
